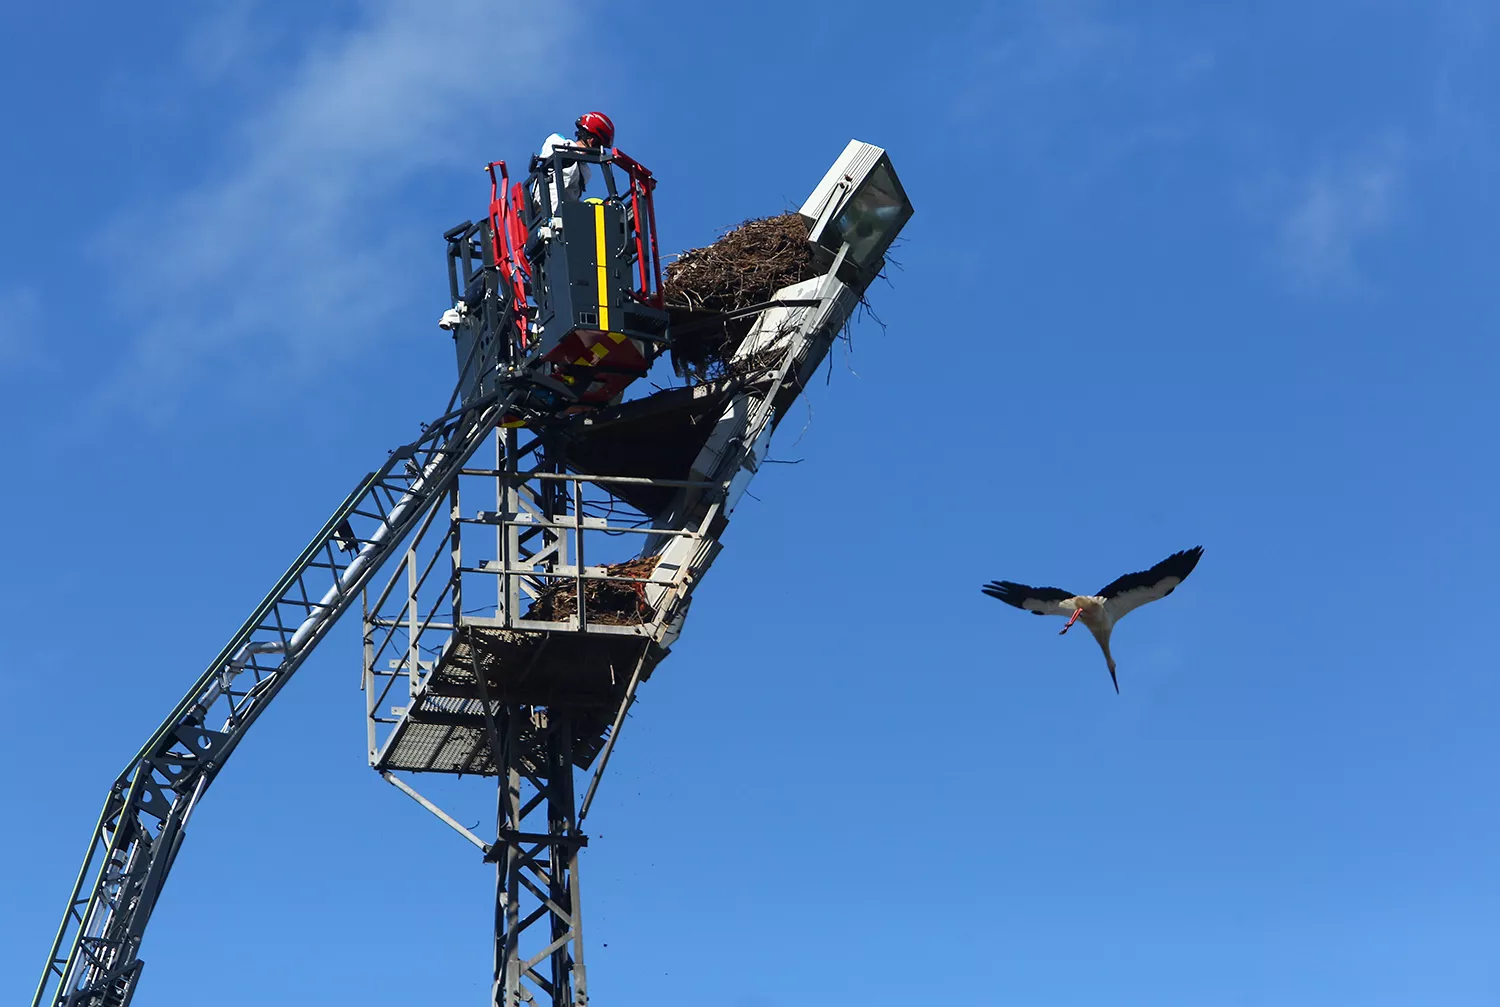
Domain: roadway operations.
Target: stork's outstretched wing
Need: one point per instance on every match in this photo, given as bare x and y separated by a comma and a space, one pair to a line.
1036, 600
1133, 590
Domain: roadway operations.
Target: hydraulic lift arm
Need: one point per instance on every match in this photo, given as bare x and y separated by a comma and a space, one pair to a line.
504, 376
93, 962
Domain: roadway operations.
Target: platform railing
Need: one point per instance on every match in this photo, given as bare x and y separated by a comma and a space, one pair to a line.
516, 546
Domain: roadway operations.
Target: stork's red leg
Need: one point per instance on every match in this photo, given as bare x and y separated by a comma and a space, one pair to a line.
1076, 613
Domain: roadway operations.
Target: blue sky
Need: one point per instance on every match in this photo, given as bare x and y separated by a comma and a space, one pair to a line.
1180, 274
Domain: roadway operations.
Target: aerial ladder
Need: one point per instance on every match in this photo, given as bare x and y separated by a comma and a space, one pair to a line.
510, 370
563, 311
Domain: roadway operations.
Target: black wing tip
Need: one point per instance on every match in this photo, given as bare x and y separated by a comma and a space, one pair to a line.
1007, 591
1183, 562
1178, 565
1018, 595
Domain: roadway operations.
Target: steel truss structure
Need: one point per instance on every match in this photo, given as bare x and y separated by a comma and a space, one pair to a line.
510, 641
523, 616
94, 959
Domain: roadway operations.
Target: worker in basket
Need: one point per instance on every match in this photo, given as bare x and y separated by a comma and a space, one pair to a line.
592, 130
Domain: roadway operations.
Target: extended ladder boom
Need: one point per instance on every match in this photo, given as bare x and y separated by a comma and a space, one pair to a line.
93, 962
556, 310
94, 957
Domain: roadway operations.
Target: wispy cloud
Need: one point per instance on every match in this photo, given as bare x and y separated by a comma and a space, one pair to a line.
1072, 81
225, 40
20, 321
1078, 96
288, 251
1334, 211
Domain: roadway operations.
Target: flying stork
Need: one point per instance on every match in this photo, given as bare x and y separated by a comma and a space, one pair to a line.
1101, 611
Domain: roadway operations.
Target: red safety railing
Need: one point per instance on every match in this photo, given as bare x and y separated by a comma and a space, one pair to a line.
508, 241
642, 188
508, 233
518, 226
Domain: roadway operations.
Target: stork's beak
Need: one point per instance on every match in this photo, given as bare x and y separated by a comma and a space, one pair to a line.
1076, 613
1115, 680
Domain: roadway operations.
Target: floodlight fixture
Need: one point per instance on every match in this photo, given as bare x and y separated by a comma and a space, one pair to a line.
859, 202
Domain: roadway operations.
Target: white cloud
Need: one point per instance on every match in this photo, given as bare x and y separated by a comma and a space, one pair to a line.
1337, 209
1078, 95
291, 249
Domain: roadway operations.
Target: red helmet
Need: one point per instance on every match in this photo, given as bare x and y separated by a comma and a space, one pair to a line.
598, 124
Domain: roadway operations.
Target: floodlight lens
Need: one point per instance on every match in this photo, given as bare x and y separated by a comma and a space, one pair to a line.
870, 217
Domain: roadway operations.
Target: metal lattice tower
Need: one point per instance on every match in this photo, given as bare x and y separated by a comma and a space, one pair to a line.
523, 625
523, 616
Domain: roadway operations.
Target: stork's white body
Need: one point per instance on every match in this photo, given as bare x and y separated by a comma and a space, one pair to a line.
1093, 611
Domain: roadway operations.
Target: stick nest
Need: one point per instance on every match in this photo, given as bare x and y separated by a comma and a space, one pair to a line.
744, 267
609, 602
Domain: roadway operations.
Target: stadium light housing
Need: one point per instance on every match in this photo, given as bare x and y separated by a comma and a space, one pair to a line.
860, 201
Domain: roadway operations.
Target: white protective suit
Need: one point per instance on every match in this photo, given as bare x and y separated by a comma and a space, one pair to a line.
574, 176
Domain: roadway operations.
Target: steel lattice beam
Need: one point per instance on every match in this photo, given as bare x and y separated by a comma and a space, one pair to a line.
473, 693
538, 923
530, 731
94, 957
